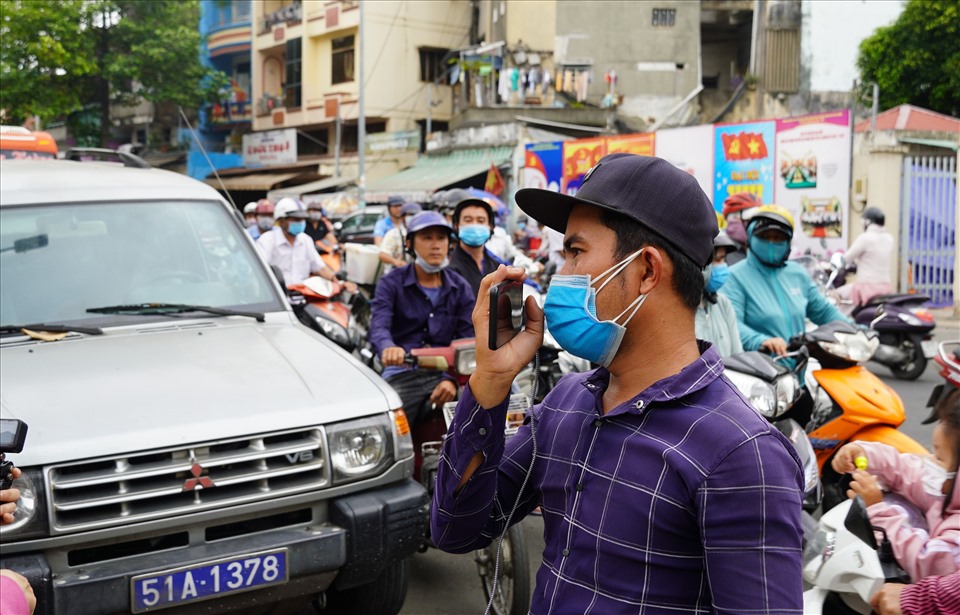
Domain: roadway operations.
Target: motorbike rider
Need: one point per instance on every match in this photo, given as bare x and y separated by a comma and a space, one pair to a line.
289, 248
871, 252
716, 321
473, 224
393, 253
927, 482
264, 216
320, 230
393, 219
771, 296
250, 214
738, 209
424, 303
929, 596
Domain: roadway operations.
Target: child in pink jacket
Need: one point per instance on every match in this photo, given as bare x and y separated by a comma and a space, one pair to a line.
928, 482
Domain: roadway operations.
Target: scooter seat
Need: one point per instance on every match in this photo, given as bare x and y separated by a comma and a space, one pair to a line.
898, 298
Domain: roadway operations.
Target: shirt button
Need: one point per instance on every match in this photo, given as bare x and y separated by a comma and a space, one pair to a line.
431, 314
565, 552
482, 431
579, 486
597, 423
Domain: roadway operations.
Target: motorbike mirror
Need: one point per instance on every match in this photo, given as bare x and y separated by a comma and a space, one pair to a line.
338, 226
837, 260
858, 522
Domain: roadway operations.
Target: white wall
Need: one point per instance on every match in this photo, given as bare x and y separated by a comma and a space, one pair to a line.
832, 32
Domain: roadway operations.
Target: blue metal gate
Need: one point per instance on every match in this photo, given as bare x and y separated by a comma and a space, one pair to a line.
928, 231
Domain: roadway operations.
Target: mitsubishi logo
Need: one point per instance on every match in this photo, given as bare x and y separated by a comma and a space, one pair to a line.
198, 480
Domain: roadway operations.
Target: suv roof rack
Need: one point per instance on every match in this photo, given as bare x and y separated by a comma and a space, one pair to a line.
100, 154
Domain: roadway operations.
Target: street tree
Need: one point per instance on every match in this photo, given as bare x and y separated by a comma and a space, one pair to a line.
58, 57
916, 59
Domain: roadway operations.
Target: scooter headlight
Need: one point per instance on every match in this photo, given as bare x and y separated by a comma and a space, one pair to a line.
466, 360
334, 331
855, 347
760, 394
787, 388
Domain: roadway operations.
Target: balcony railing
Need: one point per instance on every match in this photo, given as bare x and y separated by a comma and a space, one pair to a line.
289, 14
230, 112
267, 103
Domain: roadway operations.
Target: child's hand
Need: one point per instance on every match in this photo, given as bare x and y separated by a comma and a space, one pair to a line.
865, 485
843, 461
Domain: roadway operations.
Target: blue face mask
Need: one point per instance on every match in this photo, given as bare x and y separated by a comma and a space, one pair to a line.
571, 312
770, 253
428, 268
295, 228
474, 235
715, 276
521, 225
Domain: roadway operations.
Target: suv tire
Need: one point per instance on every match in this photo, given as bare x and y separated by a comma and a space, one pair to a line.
384, 596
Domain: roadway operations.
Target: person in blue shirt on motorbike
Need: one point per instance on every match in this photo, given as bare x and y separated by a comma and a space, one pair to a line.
772, 296
424, 303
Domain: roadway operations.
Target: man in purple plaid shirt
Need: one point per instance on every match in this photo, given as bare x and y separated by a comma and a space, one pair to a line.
662, 490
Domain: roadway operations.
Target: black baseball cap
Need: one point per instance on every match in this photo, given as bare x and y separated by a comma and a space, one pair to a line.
650, 190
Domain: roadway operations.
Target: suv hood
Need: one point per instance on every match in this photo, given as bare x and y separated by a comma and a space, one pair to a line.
176, 384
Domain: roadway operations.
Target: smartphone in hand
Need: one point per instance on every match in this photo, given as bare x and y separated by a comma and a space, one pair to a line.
506, 313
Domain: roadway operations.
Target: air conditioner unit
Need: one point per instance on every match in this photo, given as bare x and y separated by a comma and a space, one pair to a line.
860, 189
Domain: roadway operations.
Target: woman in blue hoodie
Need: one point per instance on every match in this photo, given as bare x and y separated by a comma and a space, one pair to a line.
772, 296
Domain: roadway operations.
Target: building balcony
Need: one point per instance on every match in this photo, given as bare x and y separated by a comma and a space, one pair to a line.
230, 40
229, 113
289, 14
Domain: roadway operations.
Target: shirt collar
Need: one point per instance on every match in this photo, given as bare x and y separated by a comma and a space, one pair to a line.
410, 276
695, 376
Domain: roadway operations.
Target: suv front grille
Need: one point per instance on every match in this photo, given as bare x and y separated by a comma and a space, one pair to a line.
124, 490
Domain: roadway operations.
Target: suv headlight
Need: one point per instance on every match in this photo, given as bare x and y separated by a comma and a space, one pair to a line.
855, 347
760, 394
29, 519
360, 448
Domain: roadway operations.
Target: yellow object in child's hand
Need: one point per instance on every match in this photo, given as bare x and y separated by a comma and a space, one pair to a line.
860, 462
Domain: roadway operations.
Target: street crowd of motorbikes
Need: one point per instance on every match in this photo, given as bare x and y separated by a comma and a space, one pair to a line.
820, 396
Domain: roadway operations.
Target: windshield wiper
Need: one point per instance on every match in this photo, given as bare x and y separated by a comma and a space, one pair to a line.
171, 308
51, 329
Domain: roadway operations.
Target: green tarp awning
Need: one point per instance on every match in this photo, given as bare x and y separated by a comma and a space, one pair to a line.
432, 173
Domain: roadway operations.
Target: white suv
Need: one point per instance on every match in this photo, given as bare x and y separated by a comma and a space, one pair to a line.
189, 439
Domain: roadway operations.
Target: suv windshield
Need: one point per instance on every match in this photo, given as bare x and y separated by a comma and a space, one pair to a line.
58, 261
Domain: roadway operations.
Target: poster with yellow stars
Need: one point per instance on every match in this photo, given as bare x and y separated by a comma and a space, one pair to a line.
743, 160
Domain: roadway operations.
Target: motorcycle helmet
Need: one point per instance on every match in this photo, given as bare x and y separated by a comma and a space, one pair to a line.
771, 217
250, 208
948, 358
873, 215
264, 207
722, 240
740, 202
471, 201
289, 207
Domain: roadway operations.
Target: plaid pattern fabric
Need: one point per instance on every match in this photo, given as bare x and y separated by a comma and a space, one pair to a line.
683, 500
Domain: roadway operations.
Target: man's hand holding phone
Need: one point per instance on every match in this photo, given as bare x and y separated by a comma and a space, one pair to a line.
496, 369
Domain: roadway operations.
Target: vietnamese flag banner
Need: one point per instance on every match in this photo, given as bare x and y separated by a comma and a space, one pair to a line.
578, 157
494, 184
743, 160
543, 166
640, 143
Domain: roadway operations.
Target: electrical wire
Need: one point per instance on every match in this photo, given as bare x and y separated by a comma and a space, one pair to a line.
383, 46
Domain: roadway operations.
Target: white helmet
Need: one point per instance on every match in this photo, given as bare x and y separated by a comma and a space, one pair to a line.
250, 208
289, 207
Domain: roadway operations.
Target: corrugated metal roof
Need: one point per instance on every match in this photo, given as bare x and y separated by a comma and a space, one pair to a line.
431, 173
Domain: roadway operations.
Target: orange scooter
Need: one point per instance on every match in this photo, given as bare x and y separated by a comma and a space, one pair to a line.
848, 401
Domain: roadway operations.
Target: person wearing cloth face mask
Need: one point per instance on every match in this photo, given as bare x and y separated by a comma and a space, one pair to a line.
421, 304
771, 296
716, 322
738, 209
290, 249
393, 253
319, 230
264, 218
473, 224
927, 482
659, 485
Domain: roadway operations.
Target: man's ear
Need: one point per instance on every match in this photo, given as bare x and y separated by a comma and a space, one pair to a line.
653, 265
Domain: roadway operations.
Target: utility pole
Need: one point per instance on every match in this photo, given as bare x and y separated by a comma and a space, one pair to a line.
429, 109
336, 155
361, 116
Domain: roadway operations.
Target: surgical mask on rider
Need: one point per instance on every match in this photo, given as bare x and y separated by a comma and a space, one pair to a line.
715, 275
934, 475
315, 215
474, 235
265, 223
521, 226
570, 309
736, 229
770, 253
428, 268
295, 228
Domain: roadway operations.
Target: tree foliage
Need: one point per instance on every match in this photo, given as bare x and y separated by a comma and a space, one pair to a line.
916, 60
58, 57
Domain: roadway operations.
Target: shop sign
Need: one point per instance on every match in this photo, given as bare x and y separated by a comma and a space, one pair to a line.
387, 142
270, 148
